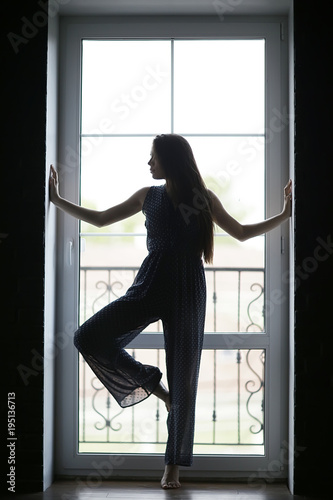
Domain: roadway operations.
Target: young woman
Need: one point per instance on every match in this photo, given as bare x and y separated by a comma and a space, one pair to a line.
170, 286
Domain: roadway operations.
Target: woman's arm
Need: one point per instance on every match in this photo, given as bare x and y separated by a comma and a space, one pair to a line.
243, 232
98, 218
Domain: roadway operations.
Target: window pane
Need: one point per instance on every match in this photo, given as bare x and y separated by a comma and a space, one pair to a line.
124, 83
229, 410
234, 168
230, 402
235, 296
112, 169
219, 86
235, 299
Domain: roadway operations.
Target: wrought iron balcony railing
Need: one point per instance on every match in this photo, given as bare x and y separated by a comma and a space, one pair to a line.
230, 404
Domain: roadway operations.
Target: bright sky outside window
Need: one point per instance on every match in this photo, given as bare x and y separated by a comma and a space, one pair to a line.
127, 89
212, 92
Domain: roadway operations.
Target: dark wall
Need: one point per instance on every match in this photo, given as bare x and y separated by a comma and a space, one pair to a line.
22, 198
314, 249
22, 188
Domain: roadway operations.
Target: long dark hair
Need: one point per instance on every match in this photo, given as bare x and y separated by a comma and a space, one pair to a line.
187, 187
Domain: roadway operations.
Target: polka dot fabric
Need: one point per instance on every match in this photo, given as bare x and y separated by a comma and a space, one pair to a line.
170, 286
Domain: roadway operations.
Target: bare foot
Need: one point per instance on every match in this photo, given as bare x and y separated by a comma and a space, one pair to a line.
170, 479
162, 393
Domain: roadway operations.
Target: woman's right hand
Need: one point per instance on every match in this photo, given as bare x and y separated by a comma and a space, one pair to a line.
287, 206
53, 184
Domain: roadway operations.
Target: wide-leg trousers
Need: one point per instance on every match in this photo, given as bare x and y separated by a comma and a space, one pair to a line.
102, 340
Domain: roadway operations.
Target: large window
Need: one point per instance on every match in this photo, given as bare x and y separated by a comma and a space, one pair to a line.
218, 92
213, 93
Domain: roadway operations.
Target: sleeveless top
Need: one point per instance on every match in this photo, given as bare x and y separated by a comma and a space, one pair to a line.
172, 236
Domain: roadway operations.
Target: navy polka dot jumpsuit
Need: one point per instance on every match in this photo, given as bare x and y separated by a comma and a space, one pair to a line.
170, 286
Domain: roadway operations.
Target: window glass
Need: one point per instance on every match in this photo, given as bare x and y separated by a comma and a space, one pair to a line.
124, 83
219, 86
213, 93
229, 410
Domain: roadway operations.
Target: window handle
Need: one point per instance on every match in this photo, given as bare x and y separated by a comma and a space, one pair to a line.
282, 245
70, 251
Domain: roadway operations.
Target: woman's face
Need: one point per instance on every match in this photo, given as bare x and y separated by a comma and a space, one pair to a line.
155, 166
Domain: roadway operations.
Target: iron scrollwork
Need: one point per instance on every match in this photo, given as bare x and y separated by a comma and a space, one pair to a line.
254, 390
108, 288
108, 422
252, 322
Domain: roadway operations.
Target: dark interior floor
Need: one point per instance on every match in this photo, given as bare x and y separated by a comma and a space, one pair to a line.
148, 490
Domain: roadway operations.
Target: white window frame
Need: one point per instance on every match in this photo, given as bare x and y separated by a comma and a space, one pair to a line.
275, 340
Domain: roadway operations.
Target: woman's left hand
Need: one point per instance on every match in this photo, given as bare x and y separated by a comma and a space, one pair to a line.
287, 207
53, 184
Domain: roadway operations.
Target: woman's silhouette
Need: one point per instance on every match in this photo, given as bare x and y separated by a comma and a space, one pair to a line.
170, 286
